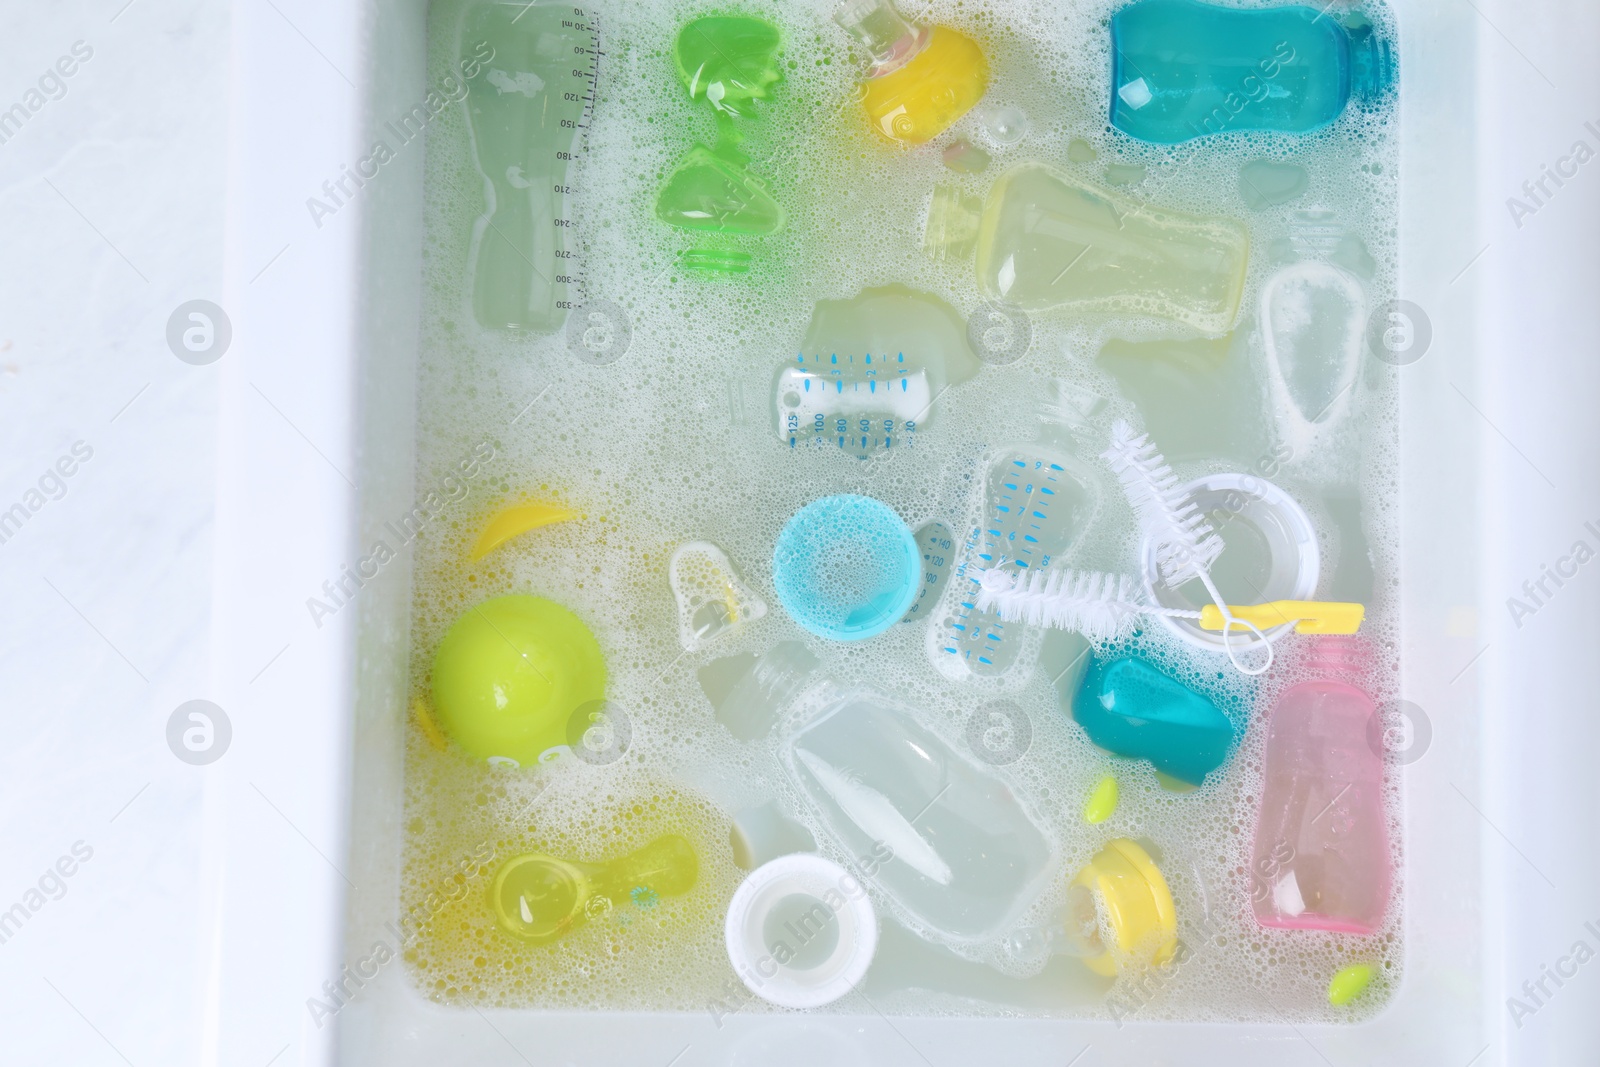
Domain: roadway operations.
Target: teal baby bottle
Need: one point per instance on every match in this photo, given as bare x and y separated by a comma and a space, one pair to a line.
1181, 69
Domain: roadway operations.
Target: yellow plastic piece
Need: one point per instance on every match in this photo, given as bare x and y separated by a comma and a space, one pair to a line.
919, 101
512, 521
1102, 802
1350, 983
430, 729
1134, 899
541, 898
1309, 616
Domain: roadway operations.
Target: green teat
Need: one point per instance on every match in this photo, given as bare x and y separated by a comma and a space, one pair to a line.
713, 190
729, 62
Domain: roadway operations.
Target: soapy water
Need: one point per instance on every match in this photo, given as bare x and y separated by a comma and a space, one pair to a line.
668, 439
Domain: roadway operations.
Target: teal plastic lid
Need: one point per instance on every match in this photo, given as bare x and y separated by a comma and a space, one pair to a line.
846, 567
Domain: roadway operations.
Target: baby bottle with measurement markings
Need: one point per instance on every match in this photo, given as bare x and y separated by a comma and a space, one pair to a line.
1321, 858
922, 78
1033, 506
870, 372
1044, 239
525, 105
1181, 69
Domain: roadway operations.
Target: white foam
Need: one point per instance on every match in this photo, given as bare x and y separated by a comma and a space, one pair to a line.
672, 443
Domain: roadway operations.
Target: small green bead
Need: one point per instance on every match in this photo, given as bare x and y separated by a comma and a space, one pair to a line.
1102, 802
1349, 983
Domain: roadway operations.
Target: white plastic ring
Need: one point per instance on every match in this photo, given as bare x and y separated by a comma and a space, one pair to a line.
801, 931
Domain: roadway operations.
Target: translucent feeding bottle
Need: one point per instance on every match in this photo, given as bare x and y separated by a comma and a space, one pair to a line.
943, 836
1181, 69
1321, 858
1033, 507
868, 372
524, 123
540, 898
922, 78
1044, 239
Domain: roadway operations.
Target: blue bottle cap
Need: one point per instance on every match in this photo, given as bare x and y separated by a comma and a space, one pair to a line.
845, 567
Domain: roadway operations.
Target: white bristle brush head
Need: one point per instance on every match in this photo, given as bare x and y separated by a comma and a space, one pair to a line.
1185, 542
1099, 606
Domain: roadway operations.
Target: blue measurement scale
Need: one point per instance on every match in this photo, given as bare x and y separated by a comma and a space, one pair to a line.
1034, 507
861, 405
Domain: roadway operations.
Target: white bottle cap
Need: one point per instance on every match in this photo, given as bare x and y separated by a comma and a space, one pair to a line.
801, 931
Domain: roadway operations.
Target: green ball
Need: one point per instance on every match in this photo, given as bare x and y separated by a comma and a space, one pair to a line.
510, 673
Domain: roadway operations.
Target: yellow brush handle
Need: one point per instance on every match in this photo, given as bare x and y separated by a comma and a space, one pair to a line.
1309, 616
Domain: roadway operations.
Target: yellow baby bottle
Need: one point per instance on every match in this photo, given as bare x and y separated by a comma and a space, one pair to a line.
922, 78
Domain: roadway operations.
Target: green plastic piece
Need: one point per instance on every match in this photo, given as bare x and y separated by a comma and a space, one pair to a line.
509, 675
1102, 802
713, 190
729, 62
1350, 983
714, 261
541, 898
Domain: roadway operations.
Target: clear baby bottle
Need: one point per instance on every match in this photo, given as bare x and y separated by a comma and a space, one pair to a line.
1044, 239
944, 837
523, 128
1321, 858
922, 78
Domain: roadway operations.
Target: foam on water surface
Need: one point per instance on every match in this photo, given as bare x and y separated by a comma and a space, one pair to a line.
669, 440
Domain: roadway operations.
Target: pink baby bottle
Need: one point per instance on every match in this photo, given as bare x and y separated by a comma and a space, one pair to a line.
1321, 858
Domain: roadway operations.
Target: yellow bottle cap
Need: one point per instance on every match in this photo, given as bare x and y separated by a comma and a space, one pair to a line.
1133, 897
